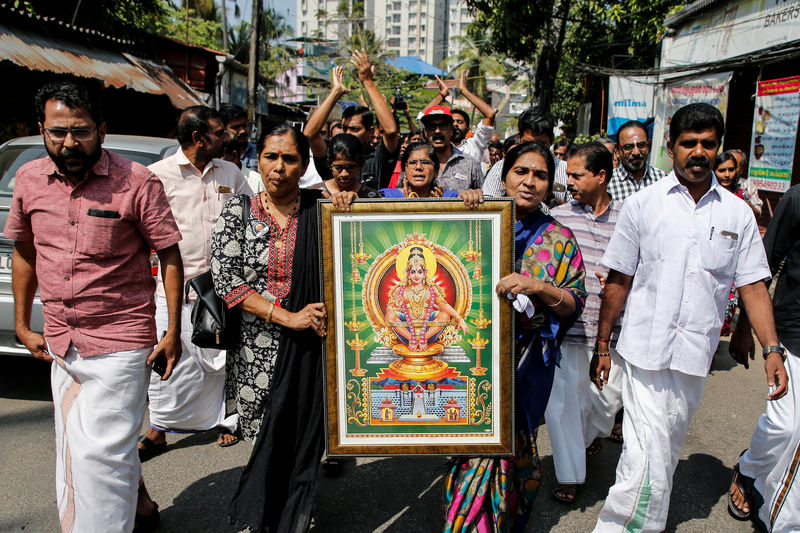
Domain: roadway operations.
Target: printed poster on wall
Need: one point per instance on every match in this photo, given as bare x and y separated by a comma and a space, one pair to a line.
629, 99
774, 133
711, 89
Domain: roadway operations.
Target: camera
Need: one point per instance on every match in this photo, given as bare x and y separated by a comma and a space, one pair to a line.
400, 102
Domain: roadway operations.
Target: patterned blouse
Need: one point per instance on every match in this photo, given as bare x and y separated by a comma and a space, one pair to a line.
245, 260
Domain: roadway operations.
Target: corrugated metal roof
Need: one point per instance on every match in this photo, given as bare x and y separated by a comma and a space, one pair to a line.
114, 69
687, 12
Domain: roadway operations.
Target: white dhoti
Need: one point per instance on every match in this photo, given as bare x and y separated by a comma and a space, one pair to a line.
99, 405
193, 398
773, 459
577, 412
658, 408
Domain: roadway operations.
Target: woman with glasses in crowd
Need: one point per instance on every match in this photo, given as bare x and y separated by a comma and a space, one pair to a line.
346, 157
420, 166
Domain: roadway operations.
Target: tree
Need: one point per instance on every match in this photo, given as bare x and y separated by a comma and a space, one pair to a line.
557, 37
190, 25
123, 18
474, 57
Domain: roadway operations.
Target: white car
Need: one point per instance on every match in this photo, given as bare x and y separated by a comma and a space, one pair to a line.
14, 154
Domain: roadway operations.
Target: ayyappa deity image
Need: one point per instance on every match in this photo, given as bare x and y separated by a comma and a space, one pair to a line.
417, 309
417, 295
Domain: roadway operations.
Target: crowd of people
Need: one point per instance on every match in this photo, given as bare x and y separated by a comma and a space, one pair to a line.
598, 230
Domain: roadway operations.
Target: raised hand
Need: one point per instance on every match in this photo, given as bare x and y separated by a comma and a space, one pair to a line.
361, 62
337, 85
444, 92
462, 81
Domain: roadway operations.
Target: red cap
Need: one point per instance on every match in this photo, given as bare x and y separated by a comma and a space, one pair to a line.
436, 111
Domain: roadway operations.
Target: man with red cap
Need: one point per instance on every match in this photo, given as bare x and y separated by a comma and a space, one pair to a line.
457, 171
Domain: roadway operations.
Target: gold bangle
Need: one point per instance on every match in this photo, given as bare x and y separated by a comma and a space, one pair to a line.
558, 302
268, 319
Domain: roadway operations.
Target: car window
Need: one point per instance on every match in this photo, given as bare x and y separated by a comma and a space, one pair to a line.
13, 157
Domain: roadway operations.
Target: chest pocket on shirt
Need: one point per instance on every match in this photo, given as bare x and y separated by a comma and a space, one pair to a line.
102, 237
719, 254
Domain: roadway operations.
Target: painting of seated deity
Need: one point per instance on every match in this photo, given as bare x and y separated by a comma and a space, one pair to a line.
418, 346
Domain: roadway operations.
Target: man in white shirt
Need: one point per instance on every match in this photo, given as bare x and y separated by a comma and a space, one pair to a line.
535, 124
677, 247
197, 184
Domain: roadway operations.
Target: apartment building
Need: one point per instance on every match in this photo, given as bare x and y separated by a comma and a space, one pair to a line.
424, 28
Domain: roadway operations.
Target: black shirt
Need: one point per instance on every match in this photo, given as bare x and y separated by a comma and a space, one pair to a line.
782, 240
378, 166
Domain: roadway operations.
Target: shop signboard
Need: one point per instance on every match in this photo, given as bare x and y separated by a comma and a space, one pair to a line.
711, 89
775, 119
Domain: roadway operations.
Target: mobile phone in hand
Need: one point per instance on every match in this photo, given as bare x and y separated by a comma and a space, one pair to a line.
160, 363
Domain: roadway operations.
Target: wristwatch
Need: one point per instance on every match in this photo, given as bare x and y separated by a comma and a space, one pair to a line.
777, 349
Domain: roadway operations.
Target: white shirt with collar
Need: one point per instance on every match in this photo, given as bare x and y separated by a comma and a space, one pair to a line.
683, 257
196, 199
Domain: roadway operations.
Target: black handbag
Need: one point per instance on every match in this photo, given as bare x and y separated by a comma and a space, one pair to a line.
213, 324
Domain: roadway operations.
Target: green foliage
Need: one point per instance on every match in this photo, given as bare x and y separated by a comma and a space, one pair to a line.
118, 17
474, 57
619, 34
515, 28
201, 31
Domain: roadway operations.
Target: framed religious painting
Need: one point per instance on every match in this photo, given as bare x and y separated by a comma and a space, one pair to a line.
418, 352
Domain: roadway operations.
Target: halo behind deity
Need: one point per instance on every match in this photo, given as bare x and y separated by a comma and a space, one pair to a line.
402, 261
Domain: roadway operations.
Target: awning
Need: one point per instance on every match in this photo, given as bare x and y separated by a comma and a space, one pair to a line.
416, 65
113, 68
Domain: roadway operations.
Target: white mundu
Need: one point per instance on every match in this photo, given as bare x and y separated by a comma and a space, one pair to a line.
194, 397
99, 405
773, 458
683, 256
584, 412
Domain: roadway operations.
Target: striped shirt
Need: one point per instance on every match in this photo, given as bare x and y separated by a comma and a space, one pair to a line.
623, 184
593, 233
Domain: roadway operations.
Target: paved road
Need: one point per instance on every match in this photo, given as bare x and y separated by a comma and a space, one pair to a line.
194, 479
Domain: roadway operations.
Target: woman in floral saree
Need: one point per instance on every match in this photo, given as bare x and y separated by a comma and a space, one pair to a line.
486, 494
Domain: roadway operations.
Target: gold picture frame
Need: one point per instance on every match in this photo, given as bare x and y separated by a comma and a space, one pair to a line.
418, 355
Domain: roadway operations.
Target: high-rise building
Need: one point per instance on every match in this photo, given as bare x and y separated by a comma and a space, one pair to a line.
423, 28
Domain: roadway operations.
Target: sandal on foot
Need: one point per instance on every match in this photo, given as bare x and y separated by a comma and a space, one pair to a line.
150, 449
147, 523
616, 433
744, 485
221, 440
565, 492
595, 447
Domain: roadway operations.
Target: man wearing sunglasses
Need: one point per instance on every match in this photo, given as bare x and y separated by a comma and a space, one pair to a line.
634, 173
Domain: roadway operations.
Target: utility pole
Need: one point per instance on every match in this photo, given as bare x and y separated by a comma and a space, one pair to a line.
224, 26
252, 67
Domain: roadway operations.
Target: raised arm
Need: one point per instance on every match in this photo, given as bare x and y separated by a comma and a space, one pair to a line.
321, 114
485, 109
391, 133
412, 124
444, 93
